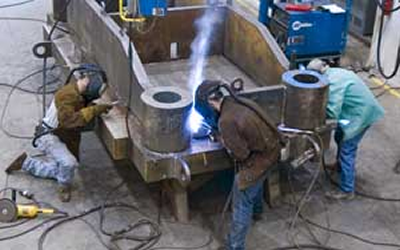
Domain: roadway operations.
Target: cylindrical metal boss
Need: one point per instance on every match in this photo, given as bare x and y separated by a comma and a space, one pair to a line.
165, 119
307, 95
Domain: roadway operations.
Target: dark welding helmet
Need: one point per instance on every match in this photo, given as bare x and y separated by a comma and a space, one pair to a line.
97, 81
208, 89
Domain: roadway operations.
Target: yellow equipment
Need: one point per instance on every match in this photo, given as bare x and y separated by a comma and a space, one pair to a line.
10, 210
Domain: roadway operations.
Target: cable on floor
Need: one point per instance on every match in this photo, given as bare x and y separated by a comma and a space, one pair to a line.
15, 4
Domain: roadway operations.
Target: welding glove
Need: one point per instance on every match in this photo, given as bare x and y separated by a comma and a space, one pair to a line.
101, 109
89, 113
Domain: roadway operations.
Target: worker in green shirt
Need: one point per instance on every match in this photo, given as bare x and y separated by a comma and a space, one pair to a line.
355, 107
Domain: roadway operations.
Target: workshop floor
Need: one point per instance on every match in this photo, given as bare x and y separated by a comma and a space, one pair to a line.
379, 152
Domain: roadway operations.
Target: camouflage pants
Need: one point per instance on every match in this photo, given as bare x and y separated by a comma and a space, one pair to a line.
58, 163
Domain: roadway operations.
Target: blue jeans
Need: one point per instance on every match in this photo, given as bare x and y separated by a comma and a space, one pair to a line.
347, 152
244, 204
59, 163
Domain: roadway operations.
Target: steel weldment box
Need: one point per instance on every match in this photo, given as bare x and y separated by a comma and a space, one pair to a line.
307, 34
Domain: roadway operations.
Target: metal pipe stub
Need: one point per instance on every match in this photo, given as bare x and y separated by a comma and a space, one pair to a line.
306, 99
166, 113
307, 95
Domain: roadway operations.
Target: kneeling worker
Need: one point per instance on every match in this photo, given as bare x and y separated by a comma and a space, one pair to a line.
253, 142
59, 134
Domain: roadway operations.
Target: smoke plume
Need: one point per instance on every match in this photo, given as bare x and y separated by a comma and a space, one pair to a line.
200, 47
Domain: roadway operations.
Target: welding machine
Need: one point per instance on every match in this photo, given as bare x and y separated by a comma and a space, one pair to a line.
147, 8
153, 7
307, 30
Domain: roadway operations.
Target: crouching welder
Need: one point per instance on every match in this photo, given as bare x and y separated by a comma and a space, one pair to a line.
59, 134
253, 141
351, 101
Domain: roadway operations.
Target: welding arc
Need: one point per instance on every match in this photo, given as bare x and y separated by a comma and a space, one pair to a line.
15, 4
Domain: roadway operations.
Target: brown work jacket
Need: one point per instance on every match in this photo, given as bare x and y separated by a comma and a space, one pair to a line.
252, 143
70, 106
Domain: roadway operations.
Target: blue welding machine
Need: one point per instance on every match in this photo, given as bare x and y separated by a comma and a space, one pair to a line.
320, 31
153, 7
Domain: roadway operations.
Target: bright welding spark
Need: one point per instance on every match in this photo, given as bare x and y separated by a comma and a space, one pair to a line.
200, 48
195, 120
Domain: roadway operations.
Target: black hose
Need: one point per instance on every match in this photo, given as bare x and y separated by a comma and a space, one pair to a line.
359, 193
30, 19
384, 244
15, 4
31, 229
8, 98
380, 5
305, 246
379, 61
247, 104
58, 20
153, 235
28, 91
130, 89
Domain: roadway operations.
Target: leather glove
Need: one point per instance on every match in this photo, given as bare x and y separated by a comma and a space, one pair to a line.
101, 109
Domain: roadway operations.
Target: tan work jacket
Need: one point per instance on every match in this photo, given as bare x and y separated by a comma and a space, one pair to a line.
252, 143
72, 116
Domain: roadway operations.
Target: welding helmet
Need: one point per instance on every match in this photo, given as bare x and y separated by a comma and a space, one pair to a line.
97, 81
208, 90
318, 65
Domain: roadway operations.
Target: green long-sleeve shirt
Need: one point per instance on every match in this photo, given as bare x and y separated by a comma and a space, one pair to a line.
350, 99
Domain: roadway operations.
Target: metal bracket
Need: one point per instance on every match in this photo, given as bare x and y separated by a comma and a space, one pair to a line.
43, 49
181, 171
307, 155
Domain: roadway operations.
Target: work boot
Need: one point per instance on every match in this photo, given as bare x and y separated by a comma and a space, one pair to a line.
340, 195
16, 164
64, 193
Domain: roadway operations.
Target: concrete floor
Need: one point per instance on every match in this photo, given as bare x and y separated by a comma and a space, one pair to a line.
380, 150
